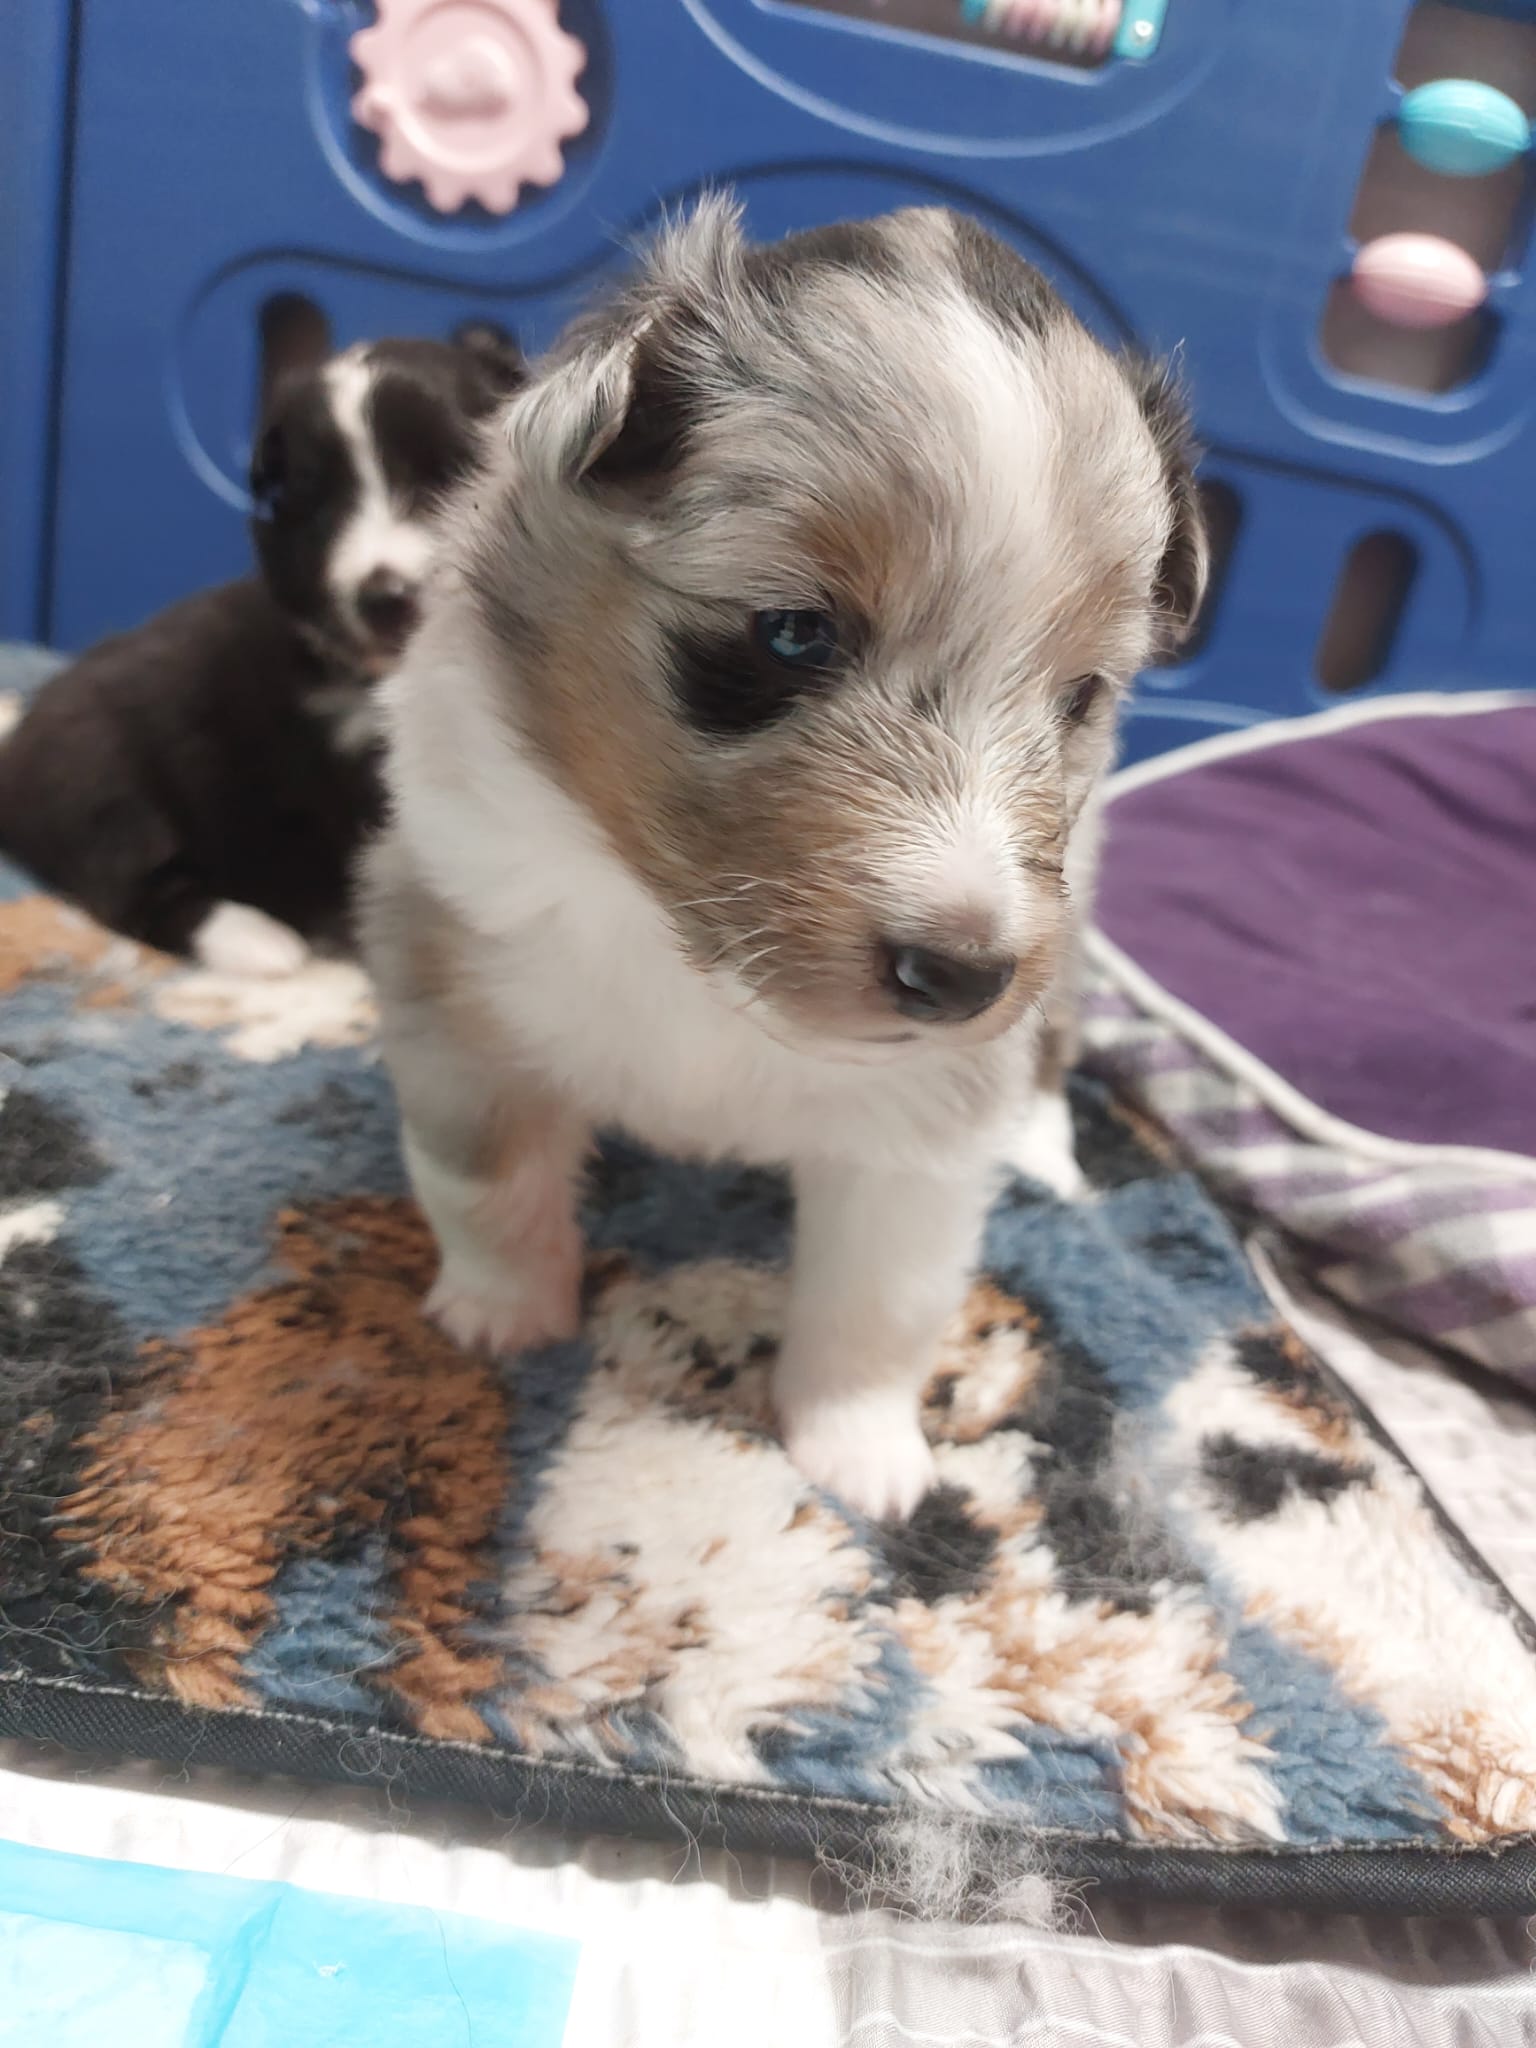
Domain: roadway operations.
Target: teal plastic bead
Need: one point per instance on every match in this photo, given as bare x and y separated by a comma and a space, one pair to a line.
1462, 129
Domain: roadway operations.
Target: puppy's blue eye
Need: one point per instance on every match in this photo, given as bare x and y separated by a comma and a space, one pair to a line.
797, 639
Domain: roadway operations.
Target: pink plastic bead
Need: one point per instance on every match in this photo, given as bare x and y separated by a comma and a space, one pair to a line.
1418, 280
473, 97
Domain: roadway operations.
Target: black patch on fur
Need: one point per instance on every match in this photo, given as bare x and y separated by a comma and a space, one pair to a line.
1255, 1480
938, 1550
304, 490
42, 1150
728, 688
178, 766
419, 410
1181, 576
659, 417
423, 445
664, 404
758, 1189
774, 268
1012, 293
491, 365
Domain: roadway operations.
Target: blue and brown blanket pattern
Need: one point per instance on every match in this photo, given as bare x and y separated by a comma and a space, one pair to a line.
1171, 1590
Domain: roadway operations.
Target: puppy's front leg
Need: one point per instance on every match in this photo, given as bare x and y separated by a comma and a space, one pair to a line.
492, 1151
505, 1222
881, 1264
494, 1160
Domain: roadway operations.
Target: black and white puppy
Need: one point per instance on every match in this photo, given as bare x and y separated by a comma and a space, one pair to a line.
203, 782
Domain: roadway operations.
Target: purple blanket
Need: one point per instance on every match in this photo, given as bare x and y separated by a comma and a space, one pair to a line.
1358, 909
1353, 903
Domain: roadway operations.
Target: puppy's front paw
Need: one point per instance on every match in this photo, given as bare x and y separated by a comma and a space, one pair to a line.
868, 1449
503, 1318
238, 940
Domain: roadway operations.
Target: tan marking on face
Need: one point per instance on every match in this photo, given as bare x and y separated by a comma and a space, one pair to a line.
304, 1411
876, 553
767, 858
601, 731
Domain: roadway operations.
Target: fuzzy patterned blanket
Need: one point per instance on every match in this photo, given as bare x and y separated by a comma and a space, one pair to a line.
1176, 1619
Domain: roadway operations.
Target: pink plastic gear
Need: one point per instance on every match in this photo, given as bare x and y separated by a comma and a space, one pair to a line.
473, 97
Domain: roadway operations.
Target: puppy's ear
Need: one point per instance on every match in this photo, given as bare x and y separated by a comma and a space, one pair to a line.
642, 440
1185, 568
614, 415
492, 367
295, 340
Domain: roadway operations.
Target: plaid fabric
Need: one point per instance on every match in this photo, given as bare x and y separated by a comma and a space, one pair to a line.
1441, 1246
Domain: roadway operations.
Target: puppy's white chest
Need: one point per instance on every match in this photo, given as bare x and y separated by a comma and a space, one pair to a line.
607, 1008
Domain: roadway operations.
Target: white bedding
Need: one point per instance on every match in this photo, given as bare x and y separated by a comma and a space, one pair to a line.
684, 1952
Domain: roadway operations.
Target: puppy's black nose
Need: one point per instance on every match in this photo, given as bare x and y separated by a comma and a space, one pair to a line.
386, 604
943, 988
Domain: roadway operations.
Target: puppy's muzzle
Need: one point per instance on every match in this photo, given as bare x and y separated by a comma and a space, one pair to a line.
932, 987
387, 606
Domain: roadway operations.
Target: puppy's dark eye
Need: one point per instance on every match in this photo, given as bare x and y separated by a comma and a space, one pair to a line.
269, 474
797, 639
1081, 698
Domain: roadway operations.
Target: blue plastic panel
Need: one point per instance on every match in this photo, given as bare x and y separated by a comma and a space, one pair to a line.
1199, 200
35, 40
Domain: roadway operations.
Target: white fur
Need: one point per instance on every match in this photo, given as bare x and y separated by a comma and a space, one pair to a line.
235, 938
10, 712
379, 535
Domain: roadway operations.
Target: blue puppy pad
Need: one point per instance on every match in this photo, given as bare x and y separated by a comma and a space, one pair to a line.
93, 1950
